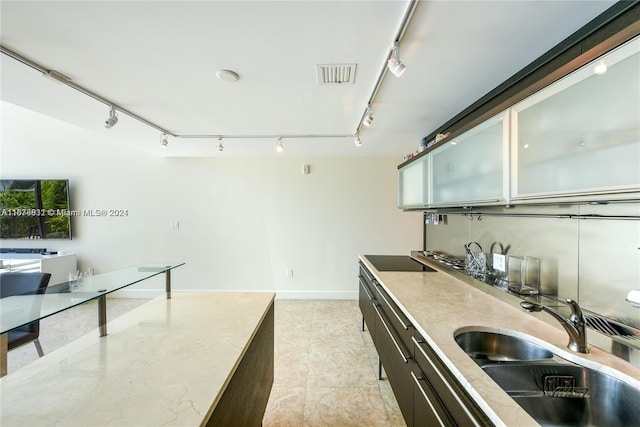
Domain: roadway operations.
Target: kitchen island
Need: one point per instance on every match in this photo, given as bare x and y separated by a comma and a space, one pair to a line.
439, 304
184, 361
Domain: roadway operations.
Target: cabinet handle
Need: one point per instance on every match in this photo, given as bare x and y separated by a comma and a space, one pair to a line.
393, 338
366, 272
405, 323
573, 194
427, 399
466, 202
366, 289
444, 381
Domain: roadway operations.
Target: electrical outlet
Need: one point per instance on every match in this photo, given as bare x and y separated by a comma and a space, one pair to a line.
499, 262
289, 273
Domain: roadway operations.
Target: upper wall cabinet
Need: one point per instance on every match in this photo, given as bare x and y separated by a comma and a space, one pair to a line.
576, 140
472, 168
580, 137
413, 184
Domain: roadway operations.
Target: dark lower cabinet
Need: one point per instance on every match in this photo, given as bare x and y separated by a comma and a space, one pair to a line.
428, 410
394, 354
245, 398
397, 363
366, 300
426, 391
451, 402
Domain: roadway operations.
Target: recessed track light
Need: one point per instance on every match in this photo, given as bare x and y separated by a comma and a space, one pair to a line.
394, 64
113, 118
368, 117
357, 140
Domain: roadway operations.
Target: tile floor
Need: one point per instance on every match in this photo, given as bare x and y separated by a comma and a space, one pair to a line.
326, 369
325, 366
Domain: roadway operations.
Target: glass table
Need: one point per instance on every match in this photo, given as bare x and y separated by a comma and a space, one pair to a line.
20, 310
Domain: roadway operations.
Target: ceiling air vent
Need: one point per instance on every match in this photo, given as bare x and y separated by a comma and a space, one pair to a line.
336, 74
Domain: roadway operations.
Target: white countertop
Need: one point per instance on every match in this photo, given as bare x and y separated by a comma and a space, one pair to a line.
164, 363
438, 305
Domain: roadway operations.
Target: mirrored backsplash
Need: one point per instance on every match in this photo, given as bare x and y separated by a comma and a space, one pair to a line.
590, 253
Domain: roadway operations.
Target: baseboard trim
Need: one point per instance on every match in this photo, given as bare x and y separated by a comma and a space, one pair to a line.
285, 295
328, 295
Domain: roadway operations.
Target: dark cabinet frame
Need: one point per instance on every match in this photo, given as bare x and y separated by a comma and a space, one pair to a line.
426, 391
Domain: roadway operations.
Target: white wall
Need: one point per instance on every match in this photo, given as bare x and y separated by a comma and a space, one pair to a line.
243, 222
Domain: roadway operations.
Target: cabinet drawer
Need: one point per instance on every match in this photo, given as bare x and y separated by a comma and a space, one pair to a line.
366, 301
366, 274
397, 363
395, 316
460, 406
428, 410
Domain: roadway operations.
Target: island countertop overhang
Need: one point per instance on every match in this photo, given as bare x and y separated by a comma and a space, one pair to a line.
167, 362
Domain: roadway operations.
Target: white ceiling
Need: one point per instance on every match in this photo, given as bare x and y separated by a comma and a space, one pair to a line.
159, 58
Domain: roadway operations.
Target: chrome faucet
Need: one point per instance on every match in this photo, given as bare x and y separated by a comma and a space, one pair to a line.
575, 325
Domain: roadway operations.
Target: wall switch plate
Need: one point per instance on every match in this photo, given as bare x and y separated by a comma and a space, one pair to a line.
499, 262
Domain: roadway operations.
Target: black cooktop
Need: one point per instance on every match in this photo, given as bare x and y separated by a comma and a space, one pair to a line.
396, 263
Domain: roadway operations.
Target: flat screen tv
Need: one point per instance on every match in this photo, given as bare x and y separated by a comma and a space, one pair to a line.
34, 209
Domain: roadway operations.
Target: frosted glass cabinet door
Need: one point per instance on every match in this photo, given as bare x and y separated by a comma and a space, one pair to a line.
470, 169
413, 184
581, 135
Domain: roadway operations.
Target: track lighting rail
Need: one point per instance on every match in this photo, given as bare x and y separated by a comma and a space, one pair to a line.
55, 75
112, 105
283, 136
66, 81
404, 24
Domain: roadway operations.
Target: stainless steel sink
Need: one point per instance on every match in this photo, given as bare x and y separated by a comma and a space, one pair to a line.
554, 391
556, 394
484, 346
